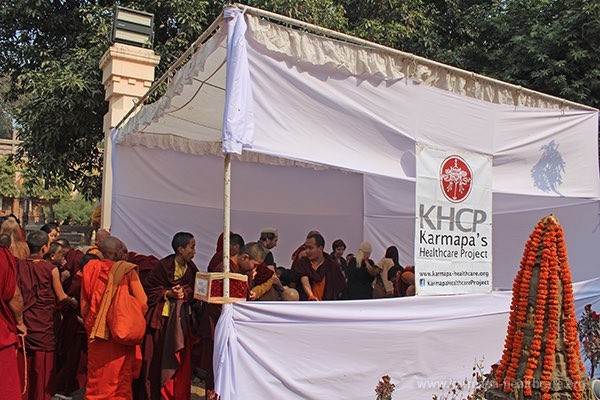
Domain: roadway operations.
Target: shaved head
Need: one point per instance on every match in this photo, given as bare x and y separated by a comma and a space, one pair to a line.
101, 235
113, 248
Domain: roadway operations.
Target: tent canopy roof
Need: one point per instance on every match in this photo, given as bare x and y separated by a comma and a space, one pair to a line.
328, 100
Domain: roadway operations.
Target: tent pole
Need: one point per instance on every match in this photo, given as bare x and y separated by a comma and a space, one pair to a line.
226, 220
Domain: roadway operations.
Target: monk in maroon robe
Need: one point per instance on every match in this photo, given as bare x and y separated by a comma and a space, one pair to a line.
145, 263
72, 256
167, 347
11, 323
248, 258
71, 337
320, 278
217, 258
41, 287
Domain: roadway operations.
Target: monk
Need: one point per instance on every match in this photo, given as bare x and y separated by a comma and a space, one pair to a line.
101, 235
320, 277
72, 256
52, 229
248, 258
56, 256
217, 258
41, 288
11, 324
145, 263
111, 366
71, 338
167, 348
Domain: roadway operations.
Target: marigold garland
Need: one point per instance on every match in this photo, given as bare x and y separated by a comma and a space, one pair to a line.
545, 256
506, 372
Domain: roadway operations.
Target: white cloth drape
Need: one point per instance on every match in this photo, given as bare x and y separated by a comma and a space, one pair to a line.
339, 350
238, 116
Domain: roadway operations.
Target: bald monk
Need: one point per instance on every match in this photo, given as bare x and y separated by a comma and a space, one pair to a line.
41, 289
101, 235
11, 324
111, 366
290, 294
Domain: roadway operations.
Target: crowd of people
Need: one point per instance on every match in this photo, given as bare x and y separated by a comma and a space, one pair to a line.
63, 309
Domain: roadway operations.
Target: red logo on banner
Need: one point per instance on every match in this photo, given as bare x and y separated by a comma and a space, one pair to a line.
455, 178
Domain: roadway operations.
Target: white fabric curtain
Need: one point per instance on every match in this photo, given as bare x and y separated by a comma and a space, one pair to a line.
340, 350
158, 193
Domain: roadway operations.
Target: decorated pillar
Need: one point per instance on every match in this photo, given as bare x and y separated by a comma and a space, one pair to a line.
127, 74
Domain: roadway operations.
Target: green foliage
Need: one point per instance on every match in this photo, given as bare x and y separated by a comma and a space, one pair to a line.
8, 187
76, 210
6, 124
325, 13
50, 52
28, 184
6, 127
547, 45
401, 24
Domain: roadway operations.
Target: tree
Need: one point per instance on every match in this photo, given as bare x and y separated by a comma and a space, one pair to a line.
325, 13
50, 52
401, 24
76, 210
6, 125
547, 45
8, 186
26, 186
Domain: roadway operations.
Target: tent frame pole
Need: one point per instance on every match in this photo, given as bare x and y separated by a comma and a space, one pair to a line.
226, 220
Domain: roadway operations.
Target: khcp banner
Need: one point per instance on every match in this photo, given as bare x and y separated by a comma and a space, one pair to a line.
453, 230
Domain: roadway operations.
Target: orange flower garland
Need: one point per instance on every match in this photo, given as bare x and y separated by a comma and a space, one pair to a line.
545, 254
551, 259
574, 365
506, 372
538, 325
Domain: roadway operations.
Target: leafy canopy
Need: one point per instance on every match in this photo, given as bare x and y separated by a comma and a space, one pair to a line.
76, 210
50, 53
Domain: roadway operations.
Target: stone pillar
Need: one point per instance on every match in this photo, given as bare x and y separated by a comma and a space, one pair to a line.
127, 74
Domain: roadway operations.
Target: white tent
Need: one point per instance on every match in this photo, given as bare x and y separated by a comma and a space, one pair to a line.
335, 130
335, 122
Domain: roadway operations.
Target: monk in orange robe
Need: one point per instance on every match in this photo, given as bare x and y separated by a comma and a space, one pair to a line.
95, 249
11, 323
111, 366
